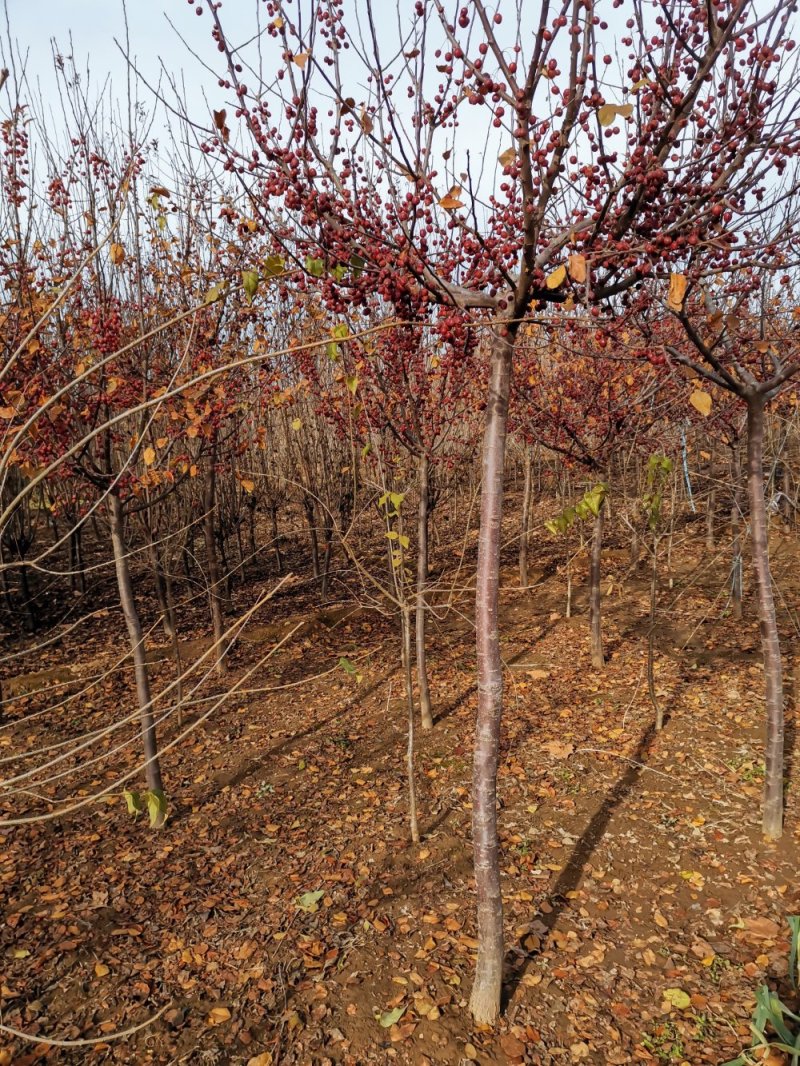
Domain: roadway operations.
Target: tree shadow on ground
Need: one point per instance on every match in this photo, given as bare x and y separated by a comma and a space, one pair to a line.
572, 874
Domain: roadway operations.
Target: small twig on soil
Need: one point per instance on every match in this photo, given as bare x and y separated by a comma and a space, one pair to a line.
90, 1041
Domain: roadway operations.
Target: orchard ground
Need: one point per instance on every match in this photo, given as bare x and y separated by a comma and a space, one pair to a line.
283, 916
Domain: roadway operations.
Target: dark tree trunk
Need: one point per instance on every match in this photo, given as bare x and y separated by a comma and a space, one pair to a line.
426, 716
770, 644
212, 565
486, 991
136, 638
308, 507
276, 537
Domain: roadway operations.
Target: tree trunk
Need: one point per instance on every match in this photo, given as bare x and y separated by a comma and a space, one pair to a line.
770, 644
76, 567
651, 679
405, 621
736, 532
526, 512
426, 717
595, 618
134, 627
485, 998
308, 507
276, 539
215, 588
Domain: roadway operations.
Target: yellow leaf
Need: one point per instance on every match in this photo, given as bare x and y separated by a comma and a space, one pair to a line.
162, 442
247, 484
606, 114
117, 254
577, 268
660, 920
677, 291
101, 970
558, 277
450, 201
264, 1059
301, 59
676, 997
149, 456
297, 423
218, 1016
702, 402
625, 110
507, 157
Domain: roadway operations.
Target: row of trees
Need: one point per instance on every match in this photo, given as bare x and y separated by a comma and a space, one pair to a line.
327, 303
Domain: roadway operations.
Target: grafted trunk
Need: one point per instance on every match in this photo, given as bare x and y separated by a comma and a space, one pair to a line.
526, 515
770, 643
595, 618
486, 991
736, 532
426, 716
215, 588
136, 638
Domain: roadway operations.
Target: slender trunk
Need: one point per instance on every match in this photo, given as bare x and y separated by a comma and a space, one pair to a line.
736, 532
486, 991
167, 617
426, 717
176, 647
710, 506
526, 511
595, 618
568, 611
77, 572
212, 565
276, 537
326, 560
27, 598
409, 685
308, 507
136, 638
770, 643
651, 680
252, 531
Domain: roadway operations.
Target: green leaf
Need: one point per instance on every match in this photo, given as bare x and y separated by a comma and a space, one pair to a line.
214, 293
250, 282
309, 901
357, 264
388, 1018
366, 450
156, 804
396, 499
315, 267
338, 272
350, 669
794, 950
340, 332
352, 384
404, 541
134, 802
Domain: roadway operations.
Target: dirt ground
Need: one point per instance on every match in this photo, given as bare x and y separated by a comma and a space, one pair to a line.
282, 915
